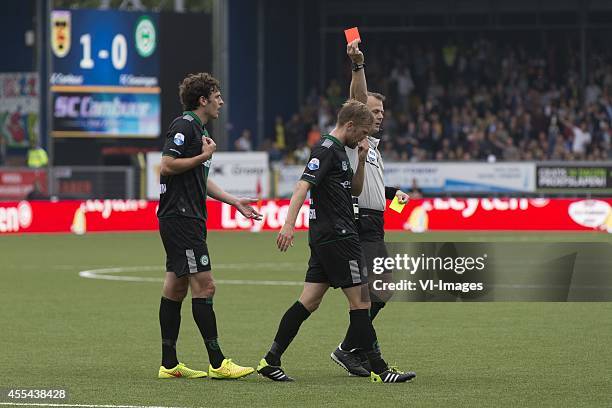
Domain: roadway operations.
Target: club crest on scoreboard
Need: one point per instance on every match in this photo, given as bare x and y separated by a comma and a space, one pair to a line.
60, 33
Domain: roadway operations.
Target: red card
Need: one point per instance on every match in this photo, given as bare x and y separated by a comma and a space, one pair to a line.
352, 34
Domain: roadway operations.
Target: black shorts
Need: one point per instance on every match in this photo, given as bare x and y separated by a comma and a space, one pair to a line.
371, 225
372, 237
339, 263
185, 244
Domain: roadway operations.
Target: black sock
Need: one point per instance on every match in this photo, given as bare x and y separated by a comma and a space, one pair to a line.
204, 316
375, 308
366, 338
377, 363
350, 343
287, 329
169, 322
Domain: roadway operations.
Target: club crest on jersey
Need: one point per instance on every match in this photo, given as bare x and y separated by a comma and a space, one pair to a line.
313, 164
344, 166
371, 155
179, 139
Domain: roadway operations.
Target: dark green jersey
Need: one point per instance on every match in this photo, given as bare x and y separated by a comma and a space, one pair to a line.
184, 195
331, 203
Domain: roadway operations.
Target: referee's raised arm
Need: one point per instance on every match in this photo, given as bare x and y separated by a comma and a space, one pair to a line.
359, 88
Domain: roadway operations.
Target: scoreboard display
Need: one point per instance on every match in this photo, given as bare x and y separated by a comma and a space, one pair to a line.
105, 74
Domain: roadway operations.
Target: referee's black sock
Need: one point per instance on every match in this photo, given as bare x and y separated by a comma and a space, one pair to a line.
366, 337
375, 308
170, 322
350, 343
204, 316
287, 330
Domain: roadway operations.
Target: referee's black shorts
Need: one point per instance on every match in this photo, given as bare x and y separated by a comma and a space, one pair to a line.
372, 236
339, 263
184, 240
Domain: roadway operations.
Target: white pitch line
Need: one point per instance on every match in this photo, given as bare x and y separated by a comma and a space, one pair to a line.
40, 404
102, 274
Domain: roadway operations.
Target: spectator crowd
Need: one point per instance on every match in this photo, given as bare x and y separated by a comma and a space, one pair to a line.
481, 101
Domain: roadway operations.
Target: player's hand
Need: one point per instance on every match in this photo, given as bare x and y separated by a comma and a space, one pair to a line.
402, 197
352, 50
285, 237
208, 147
362, 150
244, 207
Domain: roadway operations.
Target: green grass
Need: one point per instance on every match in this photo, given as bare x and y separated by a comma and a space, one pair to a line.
100, 339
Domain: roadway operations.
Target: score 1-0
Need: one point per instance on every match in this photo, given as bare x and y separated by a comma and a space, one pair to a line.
119, 52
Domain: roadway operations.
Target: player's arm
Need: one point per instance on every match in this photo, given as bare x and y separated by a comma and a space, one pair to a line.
173, 156
359, 88
241, 204
285, 237
359, 175
214, 191
315, 172
171, 166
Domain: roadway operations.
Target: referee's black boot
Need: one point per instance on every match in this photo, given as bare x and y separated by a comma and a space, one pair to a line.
350, 361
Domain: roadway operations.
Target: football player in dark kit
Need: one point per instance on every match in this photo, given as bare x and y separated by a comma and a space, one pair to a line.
372, 205
335, 253
186, 160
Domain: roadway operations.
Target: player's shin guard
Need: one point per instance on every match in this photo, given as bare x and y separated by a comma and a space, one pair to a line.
367, 340
169, 322
287, 330
204, 316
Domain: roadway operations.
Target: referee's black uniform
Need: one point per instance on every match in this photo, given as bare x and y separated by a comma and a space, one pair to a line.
372, 204
182, 202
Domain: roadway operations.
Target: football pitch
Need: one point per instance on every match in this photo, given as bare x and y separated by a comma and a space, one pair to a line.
97, 335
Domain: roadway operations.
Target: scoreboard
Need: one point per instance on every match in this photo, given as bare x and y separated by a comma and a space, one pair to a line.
105, 74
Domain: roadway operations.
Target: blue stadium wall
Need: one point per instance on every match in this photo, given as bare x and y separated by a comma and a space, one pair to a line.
280, 25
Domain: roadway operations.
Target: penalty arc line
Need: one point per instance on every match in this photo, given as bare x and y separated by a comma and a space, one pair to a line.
40, 404
103, 274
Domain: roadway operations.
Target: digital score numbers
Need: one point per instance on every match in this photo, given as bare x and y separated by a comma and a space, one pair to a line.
105, 74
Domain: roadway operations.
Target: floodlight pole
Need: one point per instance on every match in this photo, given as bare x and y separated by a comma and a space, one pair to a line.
45, 67
220, 48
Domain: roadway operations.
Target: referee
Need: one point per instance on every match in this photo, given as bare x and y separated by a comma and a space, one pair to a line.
335, 254
372, 204
186, 160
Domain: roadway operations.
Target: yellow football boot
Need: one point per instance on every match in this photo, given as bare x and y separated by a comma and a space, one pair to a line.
229, 370
180, 371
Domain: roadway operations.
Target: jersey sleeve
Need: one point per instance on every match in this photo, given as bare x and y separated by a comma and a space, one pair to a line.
179, 136
318, 166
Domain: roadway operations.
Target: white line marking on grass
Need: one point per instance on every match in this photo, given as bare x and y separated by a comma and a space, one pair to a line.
40, 404
103, 274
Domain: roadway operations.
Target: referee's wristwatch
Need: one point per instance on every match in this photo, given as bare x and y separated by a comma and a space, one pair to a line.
357, 67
